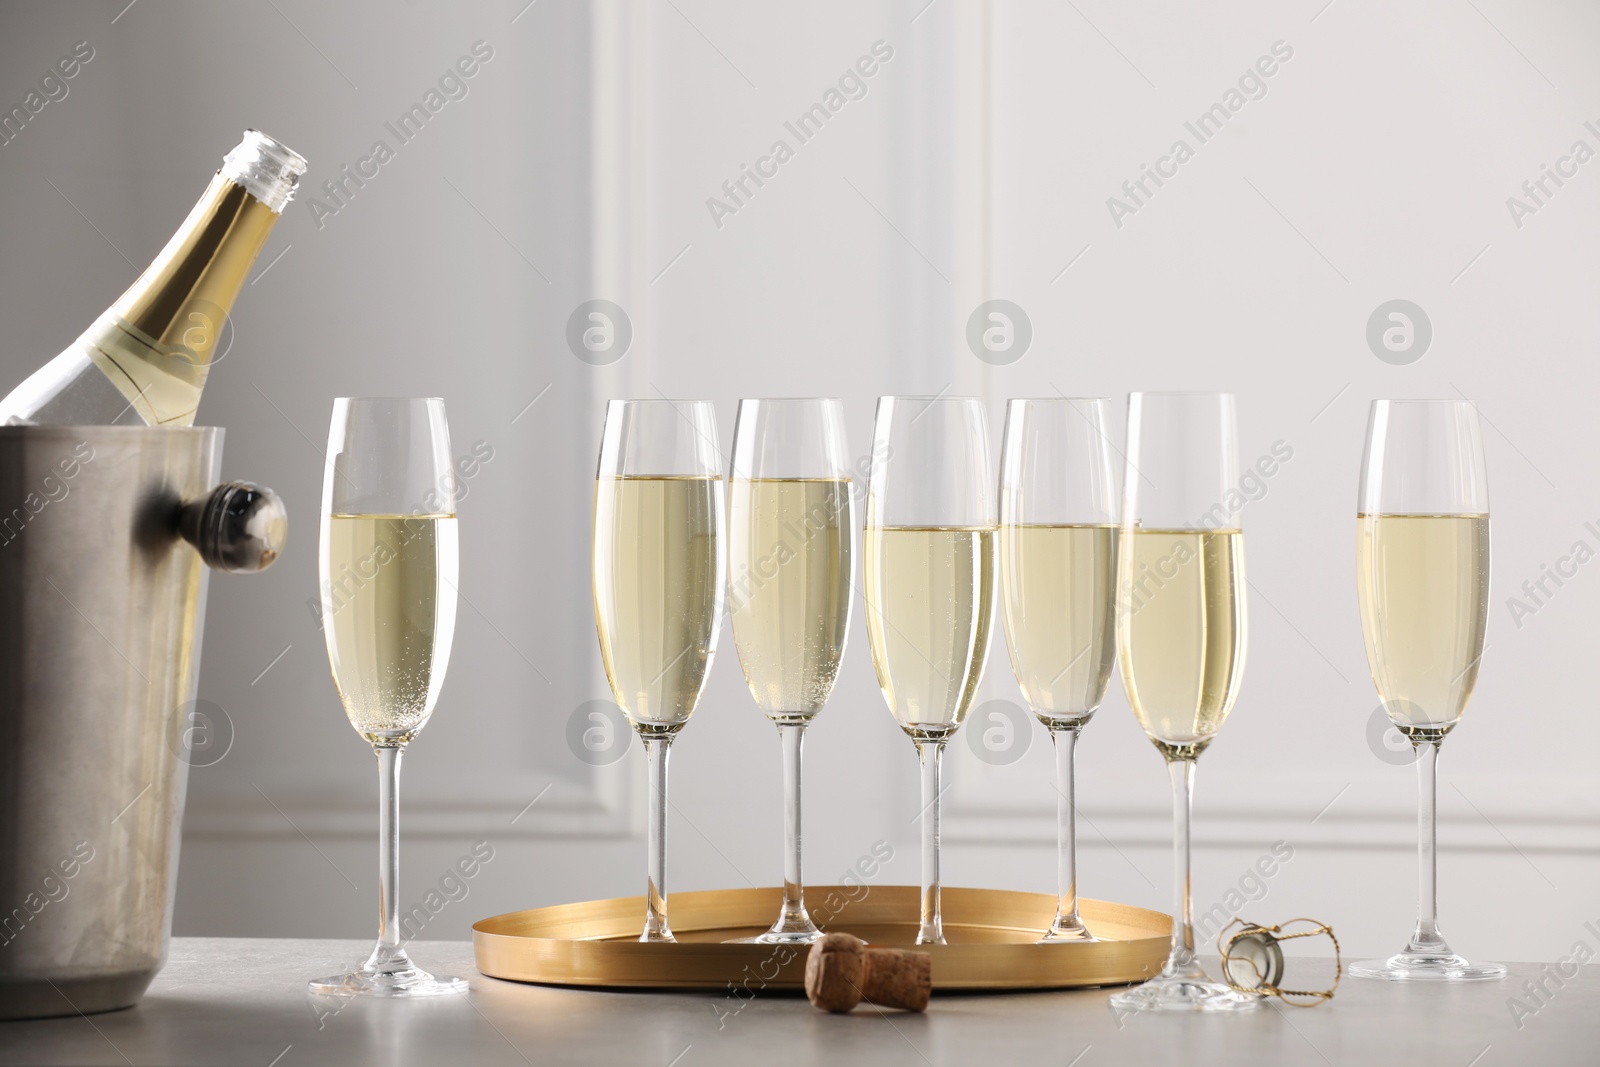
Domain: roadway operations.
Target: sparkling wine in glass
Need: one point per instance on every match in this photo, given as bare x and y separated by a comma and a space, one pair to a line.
660, 573
929, 571
388, 568
791, 521
1058, 571
1422, 578
1181, 632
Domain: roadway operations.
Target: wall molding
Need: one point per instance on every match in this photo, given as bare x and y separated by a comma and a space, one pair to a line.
573, 810
599, 809
1352, 830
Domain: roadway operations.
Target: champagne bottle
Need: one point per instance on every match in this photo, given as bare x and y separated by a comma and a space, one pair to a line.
146, 358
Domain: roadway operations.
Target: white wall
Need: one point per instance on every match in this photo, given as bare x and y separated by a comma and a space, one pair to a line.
978, 165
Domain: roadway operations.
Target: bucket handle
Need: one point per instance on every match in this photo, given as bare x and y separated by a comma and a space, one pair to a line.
238, 527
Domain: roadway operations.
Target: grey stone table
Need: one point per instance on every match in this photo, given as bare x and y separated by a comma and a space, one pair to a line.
243, 1001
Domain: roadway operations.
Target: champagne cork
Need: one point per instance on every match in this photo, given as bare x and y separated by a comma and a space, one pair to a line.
842, 971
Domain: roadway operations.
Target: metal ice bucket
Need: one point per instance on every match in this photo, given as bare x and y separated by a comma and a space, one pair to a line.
105, 533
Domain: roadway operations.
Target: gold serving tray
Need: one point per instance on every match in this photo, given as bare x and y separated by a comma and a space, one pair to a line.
991, 934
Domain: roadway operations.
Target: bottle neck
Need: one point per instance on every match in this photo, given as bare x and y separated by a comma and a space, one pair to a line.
181, 302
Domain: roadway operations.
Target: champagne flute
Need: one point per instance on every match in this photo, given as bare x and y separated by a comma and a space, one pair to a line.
1422, 577
928, 566
1058, 551
790, 524
660, 573
1181, 631
388, 568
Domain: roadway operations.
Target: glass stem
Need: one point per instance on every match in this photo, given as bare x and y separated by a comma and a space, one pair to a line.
793, 919
1067, 924
655, 922
1181, 959
1427, 938
388, 956
929, 753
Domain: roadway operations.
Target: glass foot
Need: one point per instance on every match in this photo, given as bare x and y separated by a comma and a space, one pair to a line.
779, 937
794, 927
1427, 967
411, 982
1182, 993
1066, 932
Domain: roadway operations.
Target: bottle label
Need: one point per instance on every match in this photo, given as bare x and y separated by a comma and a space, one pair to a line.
161, 378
